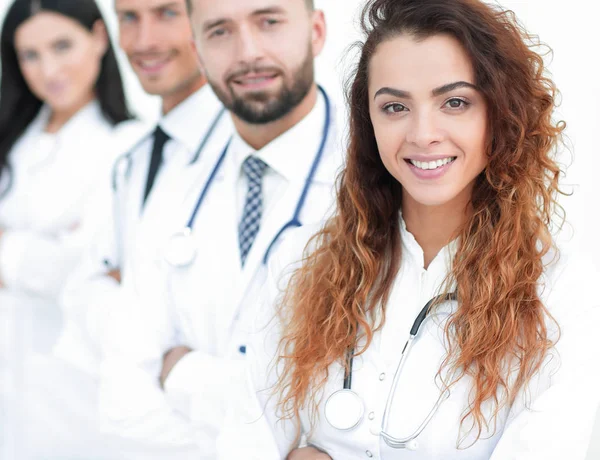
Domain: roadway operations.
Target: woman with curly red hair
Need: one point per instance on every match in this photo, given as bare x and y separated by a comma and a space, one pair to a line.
442, 241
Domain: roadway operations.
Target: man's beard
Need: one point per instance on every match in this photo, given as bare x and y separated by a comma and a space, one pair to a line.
261, 107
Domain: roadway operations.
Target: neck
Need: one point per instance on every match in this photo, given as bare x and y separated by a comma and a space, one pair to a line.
59, 118
435, 226
173, 99
257, 136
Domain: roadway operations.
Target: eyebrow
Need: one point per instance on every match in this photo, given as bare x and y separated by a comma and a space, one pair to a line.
164, 6
154, 8
219, 22
269, 10
435, 92
60, 39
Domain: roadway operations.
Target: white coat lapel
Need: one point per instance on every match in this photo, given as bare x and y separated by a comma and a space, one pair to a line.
270, 228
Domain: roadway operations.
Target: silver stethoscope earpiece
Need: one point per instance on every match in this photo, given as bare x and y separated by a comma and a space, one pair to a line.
344, 409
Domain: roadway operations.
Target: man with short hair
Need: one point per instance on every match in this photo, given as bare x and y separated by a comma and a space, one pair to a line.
277, 172
151, 183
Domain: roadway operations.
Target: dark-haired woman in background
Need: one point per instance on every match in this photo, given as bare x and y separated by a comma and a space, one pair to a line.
442, 241
61, 106
63, 122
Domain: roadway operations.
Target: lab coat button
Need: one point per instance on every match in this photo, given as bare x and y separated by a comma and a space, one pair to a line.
382, 376
369, 454
371, 415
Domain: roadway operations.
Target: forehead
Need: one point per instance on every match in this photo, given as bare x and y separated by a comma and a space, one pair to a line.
143, 5
409, 64
210, 10
46, 27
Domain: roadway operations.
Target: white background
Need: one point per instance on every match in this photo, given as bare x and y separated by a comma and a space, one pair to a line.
570, 28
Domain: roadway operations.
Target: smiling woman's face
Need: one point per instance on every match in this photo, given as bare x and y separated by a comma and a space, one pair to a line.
60, 59
430, 120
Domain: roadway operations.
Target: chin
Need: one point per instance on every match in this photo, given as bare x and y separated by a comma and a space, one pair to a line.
432, 198
154, 87
63, 104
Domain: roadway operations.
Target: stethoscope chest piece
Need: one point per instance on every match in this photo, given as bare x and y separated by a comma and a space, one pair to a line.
344, 410
181, 250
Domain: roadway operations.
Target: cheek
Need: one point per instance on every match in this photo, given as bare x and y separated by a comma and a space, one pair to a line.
32, 75
475, 140
83, 67
215, 64
390, 141
126, 39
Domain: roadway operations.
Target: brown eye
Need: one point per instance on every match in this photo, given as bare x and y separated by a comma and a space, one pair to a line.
456, 103
395, 108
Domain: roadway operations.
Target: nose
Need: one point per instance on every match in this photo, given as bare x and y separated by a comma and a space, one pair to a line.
145, 37
249, 49
49, 67
424, 130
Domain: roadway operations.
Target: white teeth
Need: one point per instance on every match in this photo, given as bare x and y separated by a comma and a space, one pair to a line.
255, 80
427, 165
153, 63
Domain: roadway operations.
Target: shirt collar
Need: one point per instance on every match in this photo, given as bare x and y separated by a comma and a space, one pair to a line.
290, 155
89, 114
190, 121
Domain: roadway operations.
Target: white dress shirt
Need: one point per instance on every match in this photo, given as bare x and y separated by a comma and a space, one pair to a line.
551, 419
202, 306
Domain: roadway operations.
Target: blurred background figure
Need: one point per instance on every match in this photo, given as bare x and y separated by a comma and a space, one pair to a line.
61, 104
149, 183
63, 121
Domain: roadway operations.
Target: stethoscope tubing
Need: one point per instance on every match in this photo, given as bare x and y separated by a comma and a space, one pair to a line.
408, 442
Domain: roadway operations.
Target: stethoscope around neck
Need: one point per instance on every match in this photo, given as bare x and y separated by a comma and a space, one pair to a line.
123, 167
181, 251
344, 409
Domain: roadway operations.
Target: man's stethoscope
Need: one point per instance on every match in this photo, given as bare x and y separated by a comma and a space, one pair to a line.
124, 165
181, 251
344, 409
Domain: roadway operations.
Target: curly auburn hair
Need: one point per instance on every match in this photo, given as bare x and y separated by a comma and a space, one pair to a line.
333, 300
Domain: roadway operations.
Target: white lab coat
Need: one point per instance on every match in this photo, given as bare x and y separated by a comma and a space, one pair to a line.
129, 231
63, 388
53, 178
201, 306
562, 396
49, 210
51, 213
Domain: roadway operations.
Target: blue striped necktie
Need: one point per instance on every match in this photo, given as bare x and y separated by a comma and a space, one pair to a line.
254, 168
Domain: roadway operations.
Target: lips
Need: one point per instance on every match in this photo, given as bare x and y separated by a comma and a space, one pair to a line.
152, 64
56, 87
254, 80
